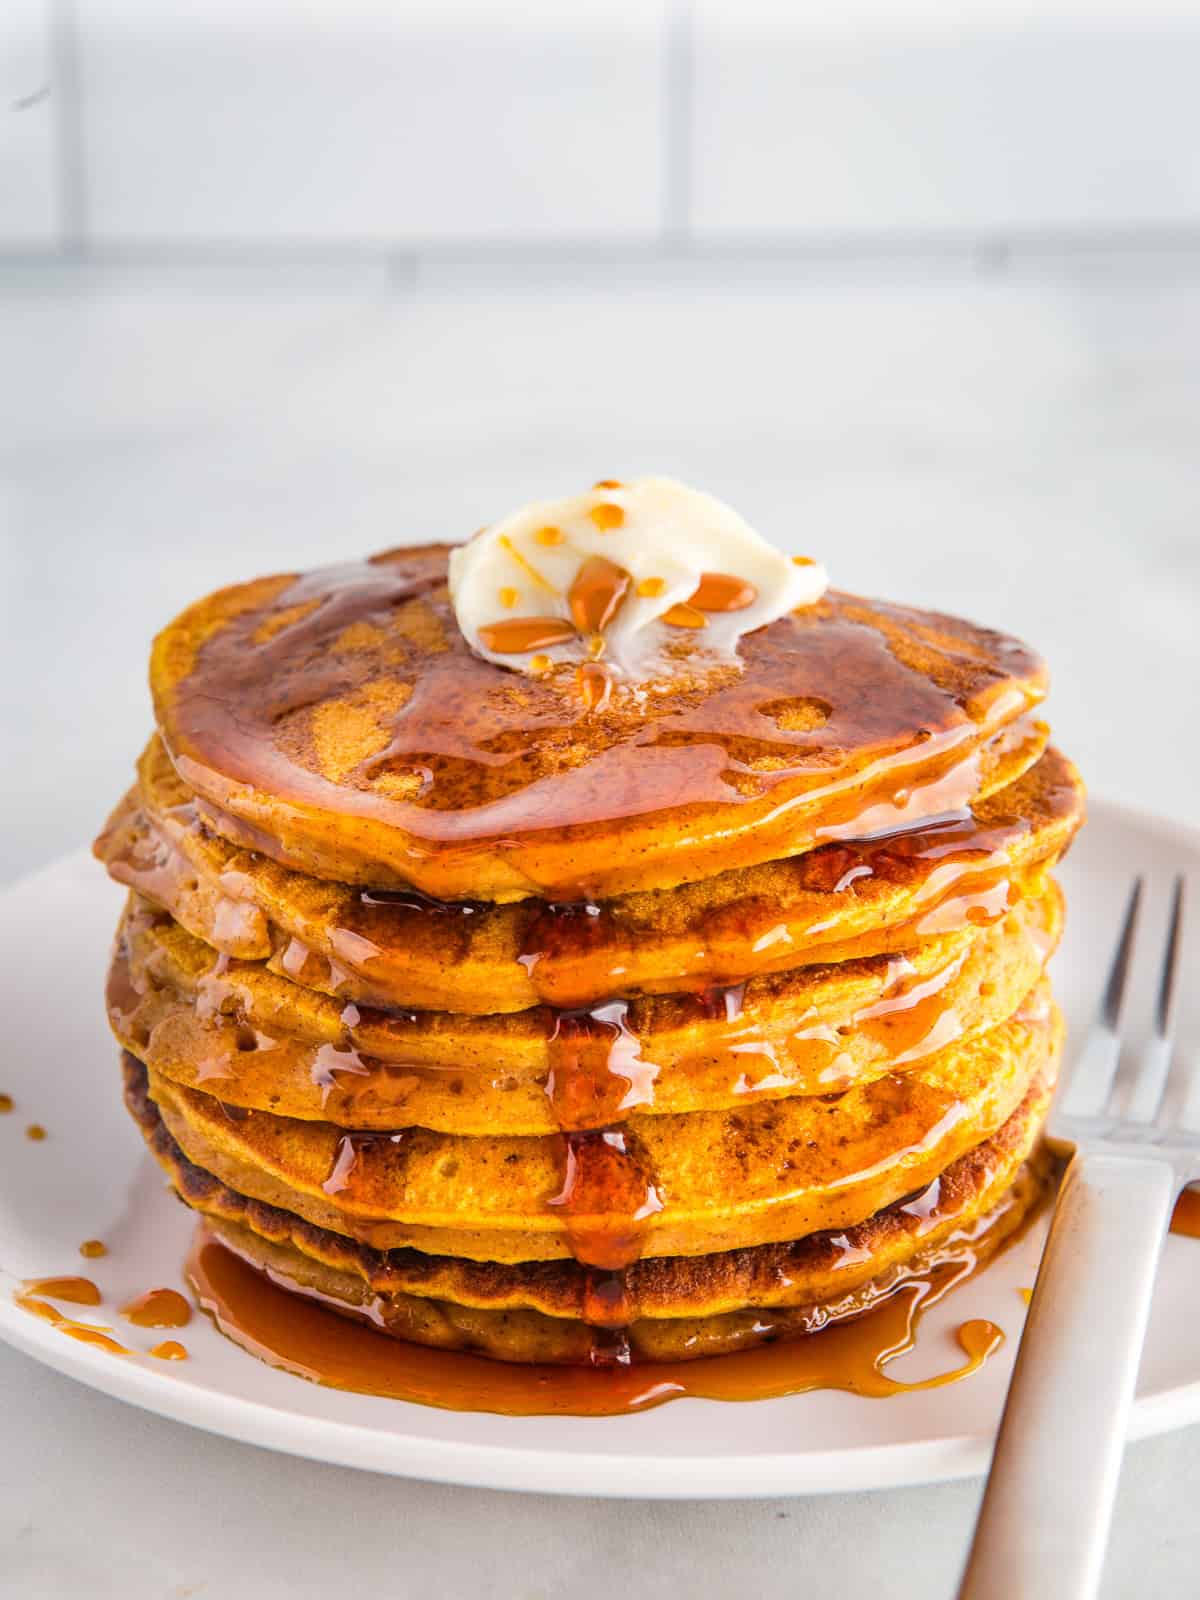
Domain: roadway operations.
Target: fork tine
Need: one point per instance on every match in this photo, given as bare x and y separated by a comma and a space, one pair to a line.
1091, 1081
1178, 1080
1114, 989
1163, 1011
1153, 1070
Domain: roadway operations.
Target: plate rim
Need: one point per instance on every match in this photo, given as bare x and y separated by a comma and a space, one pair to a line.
632, 1474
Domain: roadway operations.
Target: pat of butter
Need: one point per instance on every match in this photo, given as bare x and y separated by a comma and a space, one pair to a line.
622, 573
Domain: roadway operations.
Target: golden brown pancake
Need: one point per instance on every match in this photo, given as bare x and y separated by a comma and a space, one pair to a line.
340, 724
237, 1030
679, 1307
508, 1014
378, 949
708, 1181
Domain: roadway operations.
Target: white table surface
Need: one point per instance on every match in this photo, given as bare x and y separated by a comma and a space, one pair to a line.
1016, 442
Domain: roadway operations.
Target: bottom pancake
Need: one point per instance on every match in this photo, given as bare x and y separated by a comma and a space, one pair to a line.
671, 1308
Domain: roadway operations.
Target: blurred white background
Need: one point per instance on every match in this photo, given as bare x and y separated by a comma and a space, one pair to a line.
916, 286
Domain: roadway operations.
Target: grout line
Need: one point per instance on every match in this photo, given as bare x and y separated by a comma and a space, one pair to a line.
72, 187
404, 262
677, 130
585, 250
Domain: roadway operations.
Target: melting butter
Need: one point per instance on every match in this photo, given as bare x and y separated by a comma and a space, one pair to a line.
621, 574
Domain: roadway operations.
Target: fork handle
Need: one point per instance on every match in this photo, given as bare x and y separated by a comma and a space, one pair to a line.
1043, 1525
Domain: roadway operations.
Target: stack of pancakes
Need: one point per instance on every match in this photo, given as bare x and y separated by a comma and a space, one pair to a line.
568, 1025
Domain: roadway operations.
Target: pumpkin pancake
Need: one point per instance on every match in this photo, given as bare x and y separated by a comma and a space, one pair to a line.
840, 901
259, 1041
679, 1307
707, 1181
340, 723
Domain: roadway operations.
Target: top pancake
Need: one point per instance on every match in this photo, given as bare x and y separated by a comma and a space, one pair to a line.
340, 724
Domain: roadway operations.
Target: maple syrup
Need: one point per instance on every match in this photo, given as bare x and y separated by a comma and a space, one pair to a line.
517, 635
597, 594
294, 1331
721, 591
609, 1194
158, 1308
1186, 1217
92, 1249
74, 1291
6, 1103
170, 1350
34, 1297
736, 746
573, 953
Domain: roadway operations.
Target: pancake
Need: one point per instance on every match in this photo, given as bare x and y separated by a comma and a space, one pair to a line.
339, 723
839, 902
678, 1307
260, 1041
561, 1015
684, 1185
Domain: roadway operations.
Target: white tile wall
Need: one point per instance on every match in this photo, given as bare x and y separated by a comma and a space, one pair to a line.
28, 179
370, 120
811, 121
319, 124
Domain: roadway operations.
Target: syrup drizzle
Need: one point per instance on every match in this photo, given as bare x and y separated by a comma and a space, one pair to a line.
608, 1194
738, 744
294, 1332
346, 1173
573, 953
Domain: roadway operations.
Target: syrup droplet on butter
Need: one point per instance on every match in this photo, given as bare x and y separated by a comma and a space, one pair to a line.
518, 635
685, 615
720, 591
595, 596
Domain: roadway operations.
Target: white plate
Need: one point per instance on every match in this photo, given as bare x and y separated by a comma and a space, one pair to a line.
92, 1178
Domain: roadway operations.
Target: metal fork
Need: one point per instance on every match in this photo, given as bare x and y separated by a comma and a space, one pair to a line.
1043, 1525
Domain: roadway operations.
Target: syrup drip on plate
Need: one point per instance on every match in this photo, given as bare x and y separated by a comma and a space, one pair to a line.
1186, 1218
301, 1336
158, 1308
74, 1291
170, 1350
35, 1294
